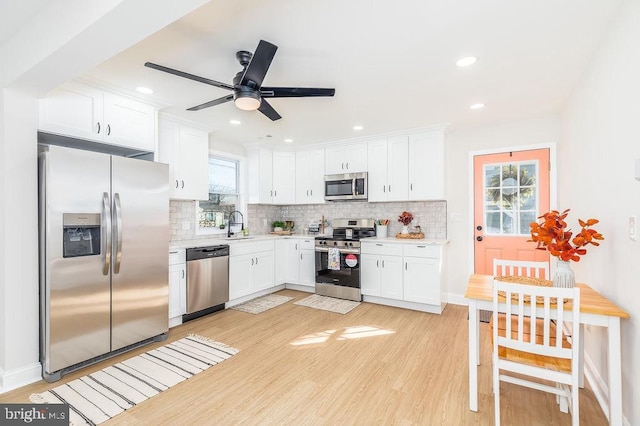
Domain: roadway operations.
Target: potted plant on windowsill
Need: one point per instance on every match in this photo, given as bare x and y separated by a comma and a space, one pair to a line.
551, 234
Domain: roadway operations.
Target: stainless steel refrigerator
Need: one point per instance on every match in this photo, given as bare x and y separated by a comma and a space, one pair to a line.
104, 242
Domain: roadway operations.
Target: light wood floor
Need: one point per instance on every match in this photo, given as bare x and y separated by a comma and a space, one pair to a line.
302, 366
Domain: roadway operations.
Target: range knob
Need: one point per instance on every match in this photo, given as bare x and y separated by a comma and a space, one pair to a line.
335, 243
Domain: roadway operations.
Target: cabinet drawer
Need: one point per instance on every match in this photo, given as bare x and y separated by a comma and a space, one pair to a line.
381, 248
307, 244
422, 250
177, 256
237, 248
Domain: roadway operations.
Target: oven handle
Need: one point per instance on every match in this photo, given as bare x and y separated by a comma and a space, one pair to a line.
348, 251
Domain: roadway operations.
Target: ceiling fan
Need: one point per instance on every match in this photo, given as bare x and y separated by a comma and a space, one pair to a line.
248, 93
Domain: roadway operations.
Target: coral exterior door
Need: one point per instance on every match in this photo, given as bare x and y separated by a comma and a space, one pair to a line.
511, 190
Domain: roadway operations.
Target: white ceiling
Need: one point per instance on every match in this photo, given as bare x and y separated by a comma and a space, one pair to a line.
392, 63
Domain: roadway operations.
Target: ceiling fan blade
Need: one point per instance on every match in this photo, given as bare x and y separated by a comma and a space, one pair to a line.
189, 76
294, 92
259, 65
268, 110
212, 103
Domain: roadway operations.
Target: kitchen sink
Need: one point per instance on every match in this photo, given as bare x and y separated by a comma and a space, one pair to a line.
239, 237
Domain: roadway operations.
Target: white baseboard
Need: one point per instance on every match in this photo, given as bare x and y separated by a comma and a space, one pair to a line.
300, 287
457, 299
248, 297
599, 387
14, 379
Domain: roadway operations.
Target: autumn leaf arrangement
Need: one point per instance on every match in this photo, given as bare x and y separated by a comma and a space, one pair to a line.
405, 218
551, 234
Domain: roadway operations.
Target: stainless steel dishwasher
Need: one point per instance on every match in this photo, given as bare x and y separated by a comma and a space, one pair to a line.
207, 280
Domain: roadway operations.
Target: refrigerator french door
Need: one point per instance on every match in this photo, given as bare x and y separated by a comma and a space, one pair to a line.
104, 230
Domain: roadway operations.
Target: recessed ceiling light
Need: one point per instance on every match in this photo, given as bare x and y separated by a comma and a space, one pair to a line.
476, 106
465, 62
235, 122
358, 127
144, 90
288, 140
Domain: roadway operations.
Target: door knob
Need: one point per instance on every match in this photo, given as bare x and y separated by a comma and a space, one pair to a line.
479, 238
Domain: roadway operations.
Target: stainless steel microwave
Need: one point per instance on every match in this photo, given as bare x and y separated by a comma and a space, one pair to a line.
347, 186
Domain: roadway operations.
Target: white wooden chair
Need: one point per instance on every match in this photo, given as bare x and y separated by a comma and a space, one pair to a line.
548, 356
520, 268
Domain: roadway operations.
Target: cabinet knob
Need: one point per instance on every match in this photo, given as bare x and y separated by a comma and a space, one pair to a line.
108, 129
405, 266
98, 127
377, 263
182, 183
411, 186
177, 183
347, 165
183, 273
311, 192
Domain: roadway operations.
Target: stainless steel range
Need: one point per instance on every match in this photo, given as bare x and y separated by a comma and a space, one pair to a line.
338, 258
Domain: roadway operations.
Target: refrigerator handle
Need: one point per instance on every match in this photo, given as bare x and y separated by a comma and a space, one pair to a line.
106, 234
117, 210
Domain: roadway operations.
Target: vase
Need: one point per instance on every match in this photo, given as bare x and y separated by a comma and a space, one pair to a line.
563, 275
405, 229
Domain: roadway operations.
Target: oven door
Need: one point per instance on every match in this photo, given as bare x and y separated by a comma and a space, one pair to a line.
348, 275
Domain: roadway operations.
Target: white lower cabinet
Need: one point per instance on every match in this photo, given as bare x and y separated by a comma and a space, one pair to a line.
251, 268
307, 263
421, 280
177, 286
403, 274
295, 262
381, 274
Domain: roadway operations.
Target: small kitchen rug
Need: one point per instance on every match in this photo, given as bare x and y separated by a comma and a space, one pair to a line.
339, 306
97, 397
261, 304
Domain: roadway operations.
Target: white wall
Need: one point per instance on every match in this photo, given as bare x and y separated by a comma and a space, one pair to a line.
600, 138
459, 144
66, 38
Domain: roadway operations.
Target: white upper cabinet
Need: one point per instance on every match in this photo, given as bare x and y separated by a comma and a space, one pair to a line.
388, 174
85, 112
310, 177
271, 176
284, 177
346, 159
260, 176
426, 166
186, 150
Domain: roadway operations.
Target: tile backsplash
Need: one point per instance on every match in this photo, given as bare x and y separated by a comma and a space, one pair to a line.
430, 215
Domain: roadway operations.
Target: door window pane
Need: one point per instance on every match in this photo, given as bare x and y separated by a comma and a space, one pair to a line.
511, 197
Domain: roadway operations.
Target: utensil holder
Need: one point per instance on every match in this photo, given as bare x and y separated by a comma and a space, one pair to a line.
381, 231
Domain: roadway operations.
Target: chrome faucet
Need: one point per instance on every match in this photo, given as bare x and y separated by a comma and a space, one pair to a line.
232, 221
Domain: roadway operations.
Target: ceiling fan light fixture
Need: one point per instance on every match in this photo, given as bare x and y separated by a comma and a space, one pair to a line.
247, 100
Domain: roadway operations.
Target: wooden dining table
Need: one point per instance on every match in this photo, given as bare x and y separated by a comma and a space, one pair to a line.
595, 309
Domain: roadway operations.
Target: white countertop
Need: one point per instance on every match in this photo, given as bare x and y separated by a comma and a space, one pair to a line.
216, 240
394, 240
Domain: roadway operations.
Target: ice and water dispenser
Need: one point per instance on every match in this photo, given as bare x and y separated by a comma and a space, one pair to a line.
81, 234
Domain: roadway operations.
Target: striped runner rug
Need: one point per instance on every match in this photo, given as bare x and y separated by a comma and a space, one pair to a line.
97, 397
